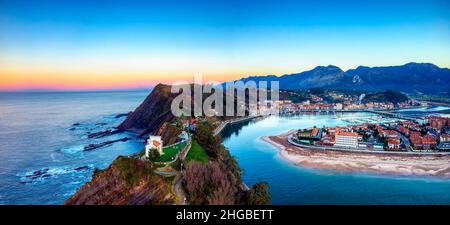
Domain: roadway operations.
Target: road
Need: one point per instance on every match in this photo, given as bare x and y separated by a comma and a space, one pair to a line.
405, 141
179, 191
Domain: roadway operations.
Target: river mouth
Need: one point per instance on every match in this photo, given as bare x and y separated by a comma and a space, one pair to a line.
291, 184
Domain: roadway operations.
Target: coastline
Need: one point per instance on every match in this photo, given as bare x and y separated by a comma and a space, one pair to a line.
405, 165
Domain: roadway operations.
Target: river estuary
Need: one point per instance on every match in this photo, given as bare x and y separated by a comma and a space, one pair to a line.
291, 184
42, 136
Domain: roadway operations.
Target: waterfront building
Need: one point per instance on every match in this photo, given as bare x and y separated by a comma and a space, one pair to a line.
154, 142
394, 143
365, 145
438, 122
370, 105
308, 134
390, 133
416, 140
444, 138
338, 106
332, 130
315, 132
428, 142
444, 146
414, 134
378, 146
346, 139
412, 125
327, 140
421, 121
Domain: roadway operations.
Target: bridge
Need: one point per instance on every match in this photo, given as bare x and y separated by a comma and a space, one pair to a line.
390, 114
222, 125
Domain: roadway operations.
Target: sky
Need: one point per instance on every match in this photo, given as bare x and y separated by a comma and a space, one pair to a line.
73, 45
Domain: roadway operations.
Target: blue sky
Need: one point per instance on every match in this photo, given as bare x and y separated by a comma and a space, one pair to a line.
132, 42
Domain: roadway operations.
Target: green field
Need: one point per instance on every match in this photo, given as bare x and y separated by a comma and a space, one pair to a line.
197, 153
170, 152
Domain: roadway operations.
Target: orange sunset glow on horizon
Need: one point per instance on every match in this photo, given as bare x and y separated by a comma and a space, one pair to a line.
12, 79
84, 46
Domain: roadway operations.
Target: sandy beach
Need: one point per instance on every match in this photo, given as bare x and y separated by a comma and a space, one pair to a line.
415, 165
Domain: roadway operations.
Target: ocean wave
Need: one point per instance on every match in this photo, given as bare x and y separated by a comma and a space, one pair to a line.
44, 174
72, 149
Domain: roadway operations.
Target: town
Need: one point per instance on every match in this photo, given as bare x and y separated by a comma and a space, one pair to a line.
428, 134
338, 101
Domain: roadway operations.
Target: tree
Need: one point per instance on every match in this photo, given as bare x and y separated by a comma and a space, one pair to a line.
153, 154
205, 137
209, 184
259, 194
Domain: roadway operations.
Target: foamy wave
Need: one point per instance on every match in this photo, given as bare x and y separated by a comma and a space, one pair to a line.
41, 175
72, 149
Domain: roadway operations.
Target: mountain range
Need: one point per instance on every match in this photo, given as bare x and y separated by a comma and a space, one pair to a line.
415, 78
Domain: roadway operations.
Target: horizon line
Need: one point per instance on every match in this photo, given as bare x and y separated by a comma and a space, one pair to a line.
138, 87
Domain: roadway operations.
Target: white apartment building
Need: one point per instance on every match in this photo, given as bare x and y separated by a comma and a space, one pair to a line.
346, 140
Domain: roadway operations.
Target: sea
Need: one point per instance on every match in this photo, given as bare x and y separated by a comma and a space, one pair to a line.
42, 138
42, 157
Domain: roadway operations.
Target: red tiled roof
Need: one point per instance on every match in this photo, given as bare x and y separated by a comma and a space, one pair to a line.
394, 141
348, 134
428, 140
315, 131
391, 132
416, 140
156, 143
403, 129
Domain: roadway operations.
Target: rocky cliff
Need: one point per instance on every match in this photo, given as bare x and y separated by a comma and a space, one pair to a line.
152, 112
169, 133
155, 110
126, 182
133, 181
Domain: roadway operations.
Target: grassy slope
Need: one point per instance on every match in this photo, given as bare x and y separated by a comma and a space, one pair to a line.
170, 152
197, 153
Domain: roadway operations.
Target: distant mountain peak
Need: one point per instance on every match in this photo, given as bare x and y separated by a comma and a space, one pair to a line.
421, 66
361, 68
410, 78
327, 68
